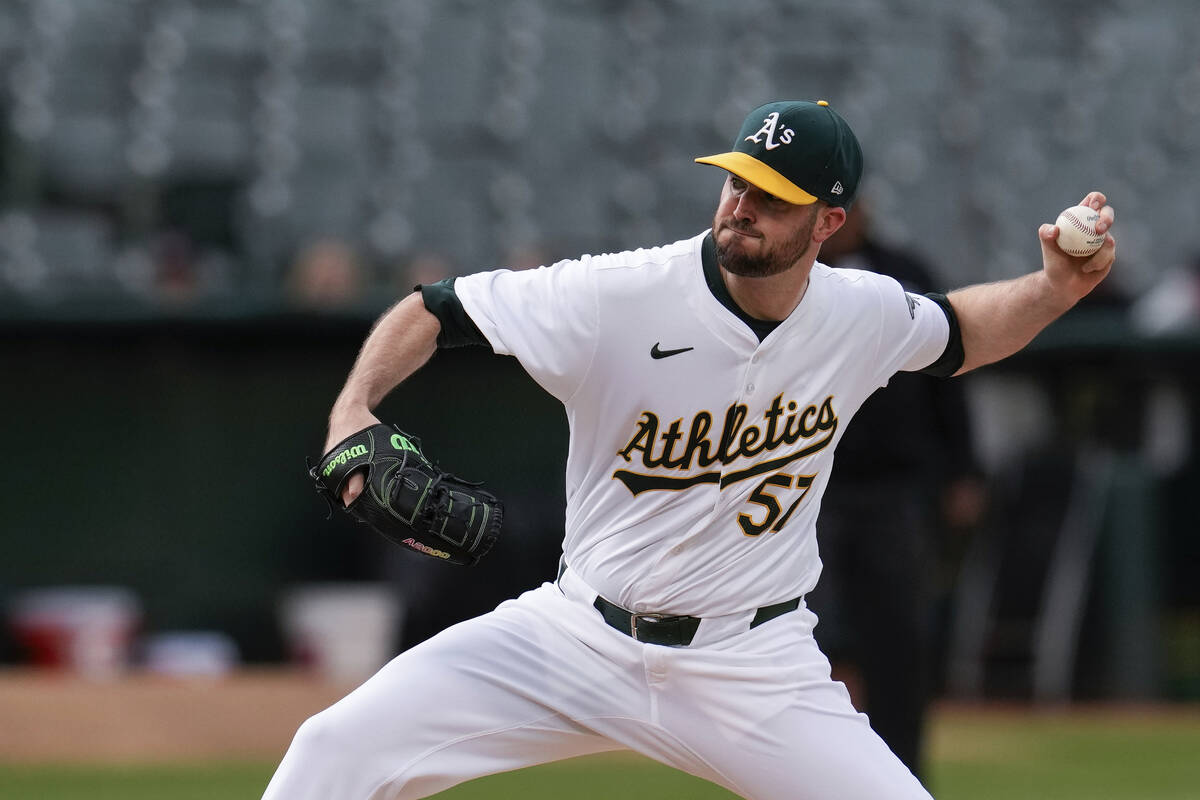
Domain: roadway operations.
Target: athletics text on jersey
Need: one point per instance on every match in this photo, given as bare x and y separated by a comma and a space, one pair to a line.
672, 448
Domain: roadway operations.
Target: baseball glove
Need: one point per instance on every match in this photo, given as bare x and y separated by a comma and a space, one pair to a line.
409, 500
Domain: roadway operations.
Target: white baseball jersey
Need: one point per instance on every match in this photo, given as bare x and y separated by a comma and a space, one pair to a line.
698, 454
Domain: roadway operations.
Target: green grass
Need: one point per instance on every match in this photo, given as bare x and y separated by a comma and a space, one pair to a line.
987, 756
598, 778
190, 782
1065, 757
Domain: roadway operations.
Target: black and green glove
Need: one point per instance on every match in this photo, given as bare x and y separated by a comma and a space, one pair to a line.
409, 500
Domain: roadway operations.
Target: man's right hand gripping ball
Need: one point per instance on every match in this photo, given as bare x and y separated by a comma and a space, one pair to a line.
408, 499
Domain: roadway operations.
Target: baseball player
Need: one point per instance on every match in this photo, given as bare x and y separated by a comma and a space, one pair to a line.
706, 385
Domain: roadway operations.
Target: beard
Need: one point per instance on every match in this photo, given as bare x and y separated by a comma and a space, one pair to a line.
772, 260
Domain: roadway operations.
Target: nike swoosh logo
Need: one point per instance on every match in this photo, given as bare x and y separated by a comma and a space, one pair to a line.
656, 353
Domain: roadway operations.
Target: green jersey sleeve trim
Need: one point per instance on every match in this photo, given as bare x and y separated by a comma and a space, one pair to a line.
951, 359
458, 330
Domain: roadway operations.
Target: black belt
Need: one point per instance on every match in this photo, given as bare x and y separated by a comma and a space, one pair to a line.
674, 631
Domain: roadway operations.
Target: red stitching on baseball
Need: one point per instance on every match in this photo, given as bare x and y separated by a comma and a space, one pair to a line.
1078, 224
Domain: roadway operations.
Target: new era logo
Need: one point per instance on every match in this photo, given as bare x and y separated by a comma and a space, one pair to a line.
837, 188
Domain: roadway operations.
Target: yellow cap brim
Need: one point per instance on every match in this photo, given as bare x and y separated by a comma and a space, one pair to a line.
753, 171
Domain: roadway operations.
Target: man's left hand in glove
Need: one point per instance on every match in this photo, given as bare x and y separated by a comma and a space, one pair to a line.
407, 499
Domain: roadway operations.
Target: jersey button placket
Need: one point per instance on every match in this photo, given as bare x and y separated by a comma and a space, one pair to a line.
749, 385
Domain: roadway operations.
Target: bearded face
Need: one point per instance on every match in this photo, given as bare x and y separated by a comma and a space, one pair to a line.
762, 241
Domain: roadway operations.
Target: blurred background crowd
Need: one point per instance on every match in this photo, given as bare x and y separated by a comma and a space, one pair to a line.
206, 202
175, 151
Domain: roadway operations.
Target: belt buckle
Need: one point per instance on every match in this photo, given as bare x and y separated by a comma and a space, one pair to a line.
633, 621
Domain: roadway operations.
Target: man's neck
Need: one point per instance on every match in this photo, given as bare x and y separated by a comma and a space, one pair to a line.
771, 298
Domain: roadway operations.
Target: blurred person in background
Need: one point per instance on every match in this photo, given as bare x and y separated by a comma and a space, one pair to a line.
528, 256
326, 274
177, 279
426, 266
1171, 304
905, 490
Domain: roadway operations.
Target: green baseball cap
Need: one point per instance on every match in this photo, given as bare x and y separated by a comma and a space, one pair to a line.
797, 150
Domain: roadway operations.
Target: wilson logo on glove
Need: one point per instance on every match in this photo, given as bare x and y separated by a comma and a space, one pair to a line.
400, 442
343, 457
409, 500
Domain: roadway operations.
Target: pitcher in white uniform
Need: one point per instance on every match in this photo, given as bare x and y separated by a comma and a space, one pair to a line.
706, 384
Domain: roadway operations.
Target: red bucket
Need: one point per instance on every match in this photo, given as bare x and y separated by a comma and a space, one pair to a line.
87, 630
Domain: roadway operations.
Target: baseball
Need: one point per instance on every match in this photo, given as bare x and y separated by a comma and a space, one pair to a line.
1077, 231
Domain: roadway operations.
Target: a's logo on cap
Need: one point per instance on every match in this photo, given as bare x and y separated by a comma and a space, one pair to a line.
770, 123
837, 188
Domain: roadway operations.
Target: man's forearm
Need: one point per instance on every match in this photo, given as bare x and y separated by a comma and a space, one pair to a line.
403, 339
998, 319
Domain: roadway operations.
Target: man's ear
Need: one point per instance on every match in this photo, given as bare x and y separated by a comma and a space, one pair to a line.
829, 219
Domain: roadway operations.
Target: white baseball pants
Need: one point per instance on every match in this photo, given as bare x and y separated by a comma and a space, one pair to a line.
544, 678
